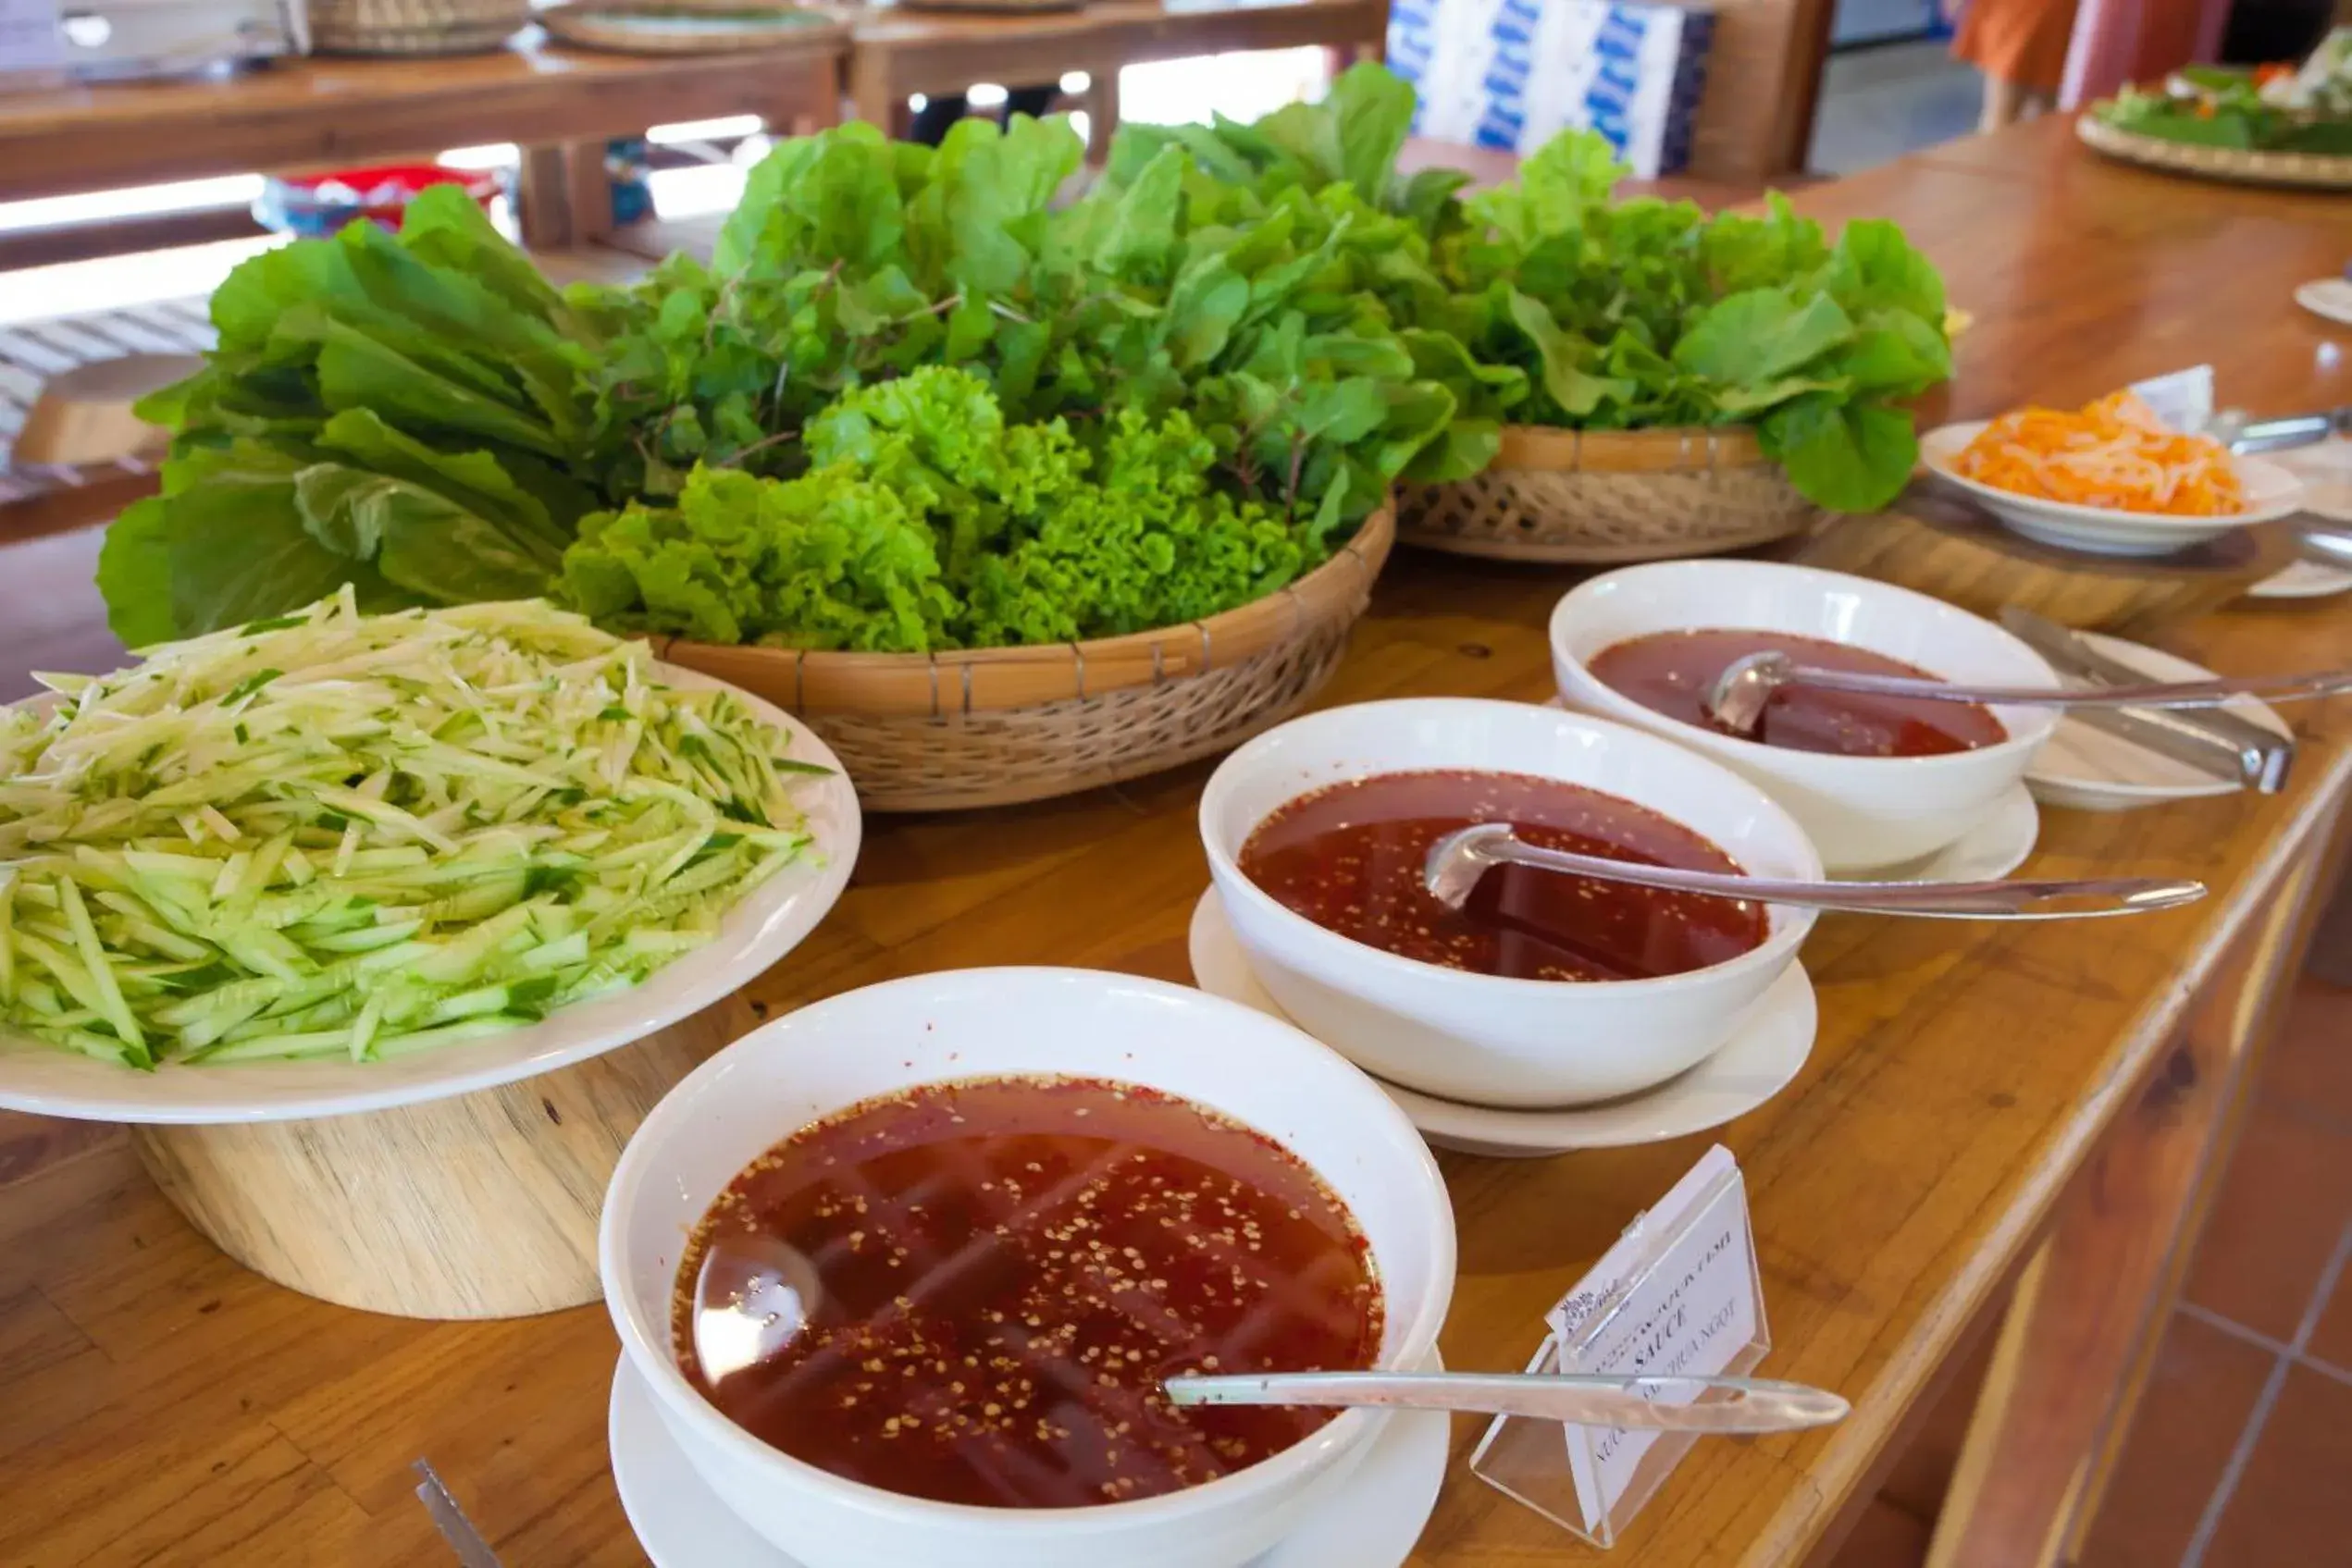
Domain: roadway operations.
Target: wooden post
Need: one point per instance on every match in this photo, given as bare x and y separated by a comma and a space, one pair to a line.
588, 191
1102, 111
542, 199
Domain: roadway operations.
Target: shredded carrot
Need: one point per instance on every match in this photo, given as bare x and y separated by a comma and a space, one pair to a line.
2115, 453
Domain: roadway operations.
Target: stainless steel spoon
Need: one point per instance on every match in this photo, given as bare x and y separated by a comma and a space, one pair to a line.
752, 1296
1738, 697
1751, 1405
1457, 862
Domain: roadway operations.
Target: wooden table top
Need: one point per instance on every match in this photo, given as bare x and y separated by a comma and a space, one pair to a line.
319, 112
160, 1404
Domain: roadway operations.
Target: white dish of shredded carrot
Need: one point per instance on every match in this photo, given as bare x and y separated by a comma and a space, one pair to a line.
2110, 478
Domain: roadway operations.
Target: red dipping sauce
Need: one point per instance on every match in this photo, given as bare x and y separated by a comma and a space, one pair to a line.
1008, 1267
1671, 671
1350, 858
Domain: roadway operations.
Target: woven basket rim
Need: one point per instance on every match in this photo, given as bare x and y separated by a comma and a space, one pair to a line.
2249, 166
603, 24
1670, 448
943, 682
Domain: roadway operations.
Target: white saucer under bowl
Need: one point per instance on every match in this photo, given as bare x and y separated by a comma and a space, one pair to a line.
1753, 1066
1993, 848
2092, 771
1371, 1523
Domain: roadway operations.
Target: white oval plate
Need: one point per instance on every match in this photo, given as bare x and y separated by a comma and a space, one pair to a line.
1371, 1522
754, 935
1753, 1066
2092, 771
2270, 492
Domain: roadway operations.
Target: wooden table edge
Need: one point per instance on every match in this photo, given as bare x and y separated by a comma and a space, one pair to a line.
1830, 1480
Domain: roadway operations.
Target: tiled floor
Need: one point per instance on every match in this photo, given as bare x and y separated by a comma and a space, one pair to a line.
2241, 1453
1879, 102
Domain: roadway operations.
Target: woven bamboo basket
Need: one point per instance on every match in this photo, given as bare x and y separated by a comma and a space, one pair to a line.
992, 727
1597, 496
415, 27
2236, 165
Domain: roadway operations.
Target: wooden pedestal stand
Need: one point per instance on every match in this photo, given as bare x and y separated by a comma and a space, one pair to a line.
1944, 548
479, 1205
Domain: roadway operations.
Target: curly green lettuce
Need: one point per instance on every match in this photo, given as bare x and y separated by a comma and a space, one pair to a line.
925, 522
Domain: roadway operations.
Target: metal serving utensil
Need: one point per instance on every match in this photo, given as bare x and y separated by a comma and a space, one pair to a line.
473, 1552
1456, 861
1738, 697
752, 1296
1754, 1405
2218, 741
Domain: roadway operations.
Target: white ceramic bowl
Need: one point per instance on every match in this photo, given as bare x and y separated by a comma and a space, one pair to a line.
990, 1022
2270, 492
1864, 812
1482, 1039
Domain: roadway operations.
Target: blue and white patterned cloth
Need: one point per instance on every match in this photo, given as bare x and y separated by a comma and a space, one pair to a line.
1510, 74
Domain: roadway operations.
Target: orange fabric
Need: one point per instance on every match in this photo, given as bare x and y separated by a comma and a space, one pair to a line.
2019, 41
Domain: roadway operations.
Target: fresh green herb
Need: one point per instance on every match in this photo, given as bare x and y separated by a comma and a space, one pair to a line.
1546, 302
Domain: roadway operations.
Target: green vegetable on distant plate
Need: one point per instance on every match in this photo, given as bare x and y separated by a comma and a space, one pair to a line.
334, 834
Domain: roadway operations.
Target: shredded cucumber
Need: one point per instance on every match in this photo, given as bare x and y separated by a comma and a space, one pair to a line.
337, 834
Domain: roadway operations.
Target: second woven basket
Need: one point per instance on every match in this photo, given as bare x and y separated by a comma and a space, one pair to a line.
1598, 496
415, 27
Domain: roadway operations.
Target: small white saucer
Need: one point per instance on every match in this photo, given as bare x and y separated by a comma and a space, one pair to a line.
2092, 771
2330, 297
2326, 472
1752, 1067
681, 1523
1991, 850
2304, 579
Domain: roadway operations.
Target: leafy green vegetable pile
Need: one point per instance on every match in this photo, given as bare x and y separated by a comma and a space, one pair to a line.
332, 834
1543, 302
410, 418
1156, 401
925, 522
438, 437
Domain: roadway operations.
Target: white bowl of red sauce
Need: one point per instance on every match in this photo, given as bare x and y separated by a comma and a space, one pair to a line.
1876, 781
1015, 1200
1548, 990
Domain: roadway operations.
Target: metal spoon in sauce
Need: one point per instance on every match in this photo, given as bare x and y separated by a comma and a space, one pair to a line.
1457, 862
752, 1296
1743, 1406
1738, 697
